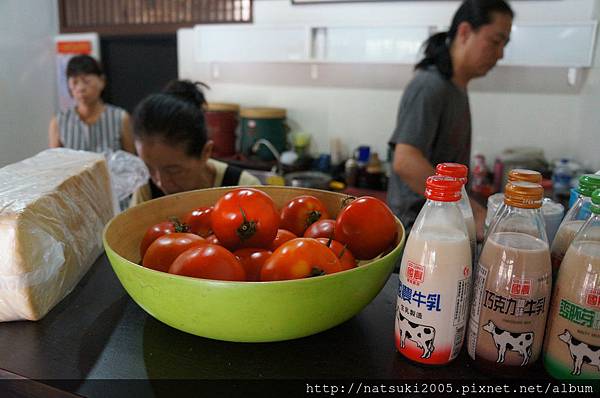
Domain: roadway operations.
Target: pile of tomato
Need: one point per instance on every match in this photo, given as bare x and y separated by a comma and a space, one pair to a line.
245, 237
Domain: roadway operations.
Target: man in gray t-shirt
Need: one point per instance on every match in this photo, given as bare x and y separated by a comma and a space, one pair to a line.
434, 118
434, 121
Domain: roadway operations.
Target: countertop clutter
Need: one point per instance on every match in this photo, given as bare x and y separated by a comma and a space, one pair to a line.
98, 332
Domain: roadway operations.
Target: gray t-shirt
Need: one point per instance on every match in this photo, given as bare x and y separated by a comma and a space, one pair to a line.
434, 117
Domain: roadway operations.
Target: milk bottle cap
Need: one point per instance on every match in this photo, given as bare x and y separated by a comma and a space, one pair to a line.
595, 207
525, 175
588, 183
456, 170
443, 189
523, 194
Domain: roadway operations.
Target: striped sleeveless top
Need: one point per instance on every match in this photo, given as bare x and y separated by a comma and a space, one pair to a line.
104, 135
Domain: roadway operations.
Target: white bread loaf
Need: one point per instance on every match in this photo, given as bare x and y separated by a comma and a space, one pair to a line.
53, 208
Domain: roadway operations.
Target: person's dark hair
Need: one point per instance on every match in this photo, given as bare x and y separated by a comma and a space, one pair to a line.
477, 13
175, 115
83, 65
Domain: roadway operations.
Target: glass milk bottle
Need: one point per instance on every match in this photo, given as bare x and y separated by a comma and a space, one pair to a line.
574, 219
435, 278
460, 172
511, 292
513, 175
572, 345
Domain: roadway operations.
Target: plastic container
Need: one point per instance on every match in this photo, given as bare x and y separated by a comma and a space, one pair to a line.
574, 219
571, 344
479, 174
561, 178
435, 278
267, 123
511, 293
553, 215
222, 121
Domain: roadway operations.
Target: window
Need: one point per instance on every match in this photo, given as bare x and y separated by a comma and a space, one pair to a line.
123, 17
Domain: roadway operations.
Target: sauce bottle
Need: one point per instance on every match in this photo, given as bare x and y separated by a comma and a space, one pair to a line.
511, 292
435, 278
515, 175
460, 172
572, 345
574, 219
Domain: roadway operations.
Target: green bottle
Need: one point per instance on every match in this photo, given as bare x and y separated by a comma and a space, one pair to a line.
572, 343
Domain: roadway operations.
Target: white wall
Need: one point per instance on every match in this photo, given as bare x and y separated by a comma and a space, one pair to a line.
27, 76
511, 106
587, 146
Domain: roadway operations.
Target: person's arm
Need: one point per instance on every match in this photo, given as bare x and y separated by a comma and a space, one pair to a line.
53, 134
127, 134
479, 213
412, 167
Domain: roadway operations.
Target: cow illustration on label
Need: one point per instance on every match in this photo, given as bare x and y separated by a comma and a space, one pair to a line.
506, 340
422, 335
580, 352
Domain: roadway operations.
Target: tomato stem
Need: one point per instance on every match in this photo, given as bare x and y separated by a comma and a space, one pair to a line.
179, 226
347, 201
247, 229
312, 217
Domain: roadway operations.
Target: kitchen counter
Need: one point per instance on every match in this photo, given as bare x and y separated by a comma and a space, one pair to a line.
98, 332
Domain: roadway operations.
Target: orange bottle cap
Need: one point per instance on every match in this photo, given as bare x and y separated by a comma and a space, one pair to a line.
525, 175
523, 194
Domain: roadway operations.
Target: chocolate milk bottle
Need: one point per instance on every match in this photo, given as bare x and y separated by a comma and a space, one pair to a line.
435, 278
460, 172
511, 293
513, 176
572, 344
574, 219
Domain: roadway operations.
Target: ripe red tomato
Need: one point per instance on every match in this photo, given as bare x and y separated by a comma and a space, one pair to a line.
367, 226
343, 254
213, 240
300, 212
299, 258
160, 229
245, 217
198, 221
209, 262
283, 235
321, 229
252, 259
165, 249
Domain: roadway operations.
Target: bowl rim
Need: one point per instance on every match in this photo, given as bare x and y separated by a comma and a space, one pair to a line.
397, 247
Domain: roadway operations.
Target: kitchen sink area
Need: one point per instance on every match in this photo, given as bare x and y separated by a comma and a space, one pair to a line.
275, 173
304, 179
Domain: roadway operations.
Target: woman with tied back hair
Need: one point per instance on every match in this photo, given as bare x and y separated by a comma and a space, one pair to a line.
91, 125
171, 138
434, 119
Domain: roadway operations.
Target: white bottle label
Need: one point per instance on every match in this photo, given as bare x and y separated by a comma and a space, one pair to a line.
478, 291
431, 312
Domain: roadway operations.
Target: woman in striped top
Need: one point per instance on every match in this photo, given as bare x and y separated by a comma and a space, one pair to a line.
91, 125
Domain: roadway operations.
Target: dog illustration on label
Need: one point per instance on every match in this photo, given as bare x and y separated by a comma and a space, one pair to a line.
580, 352
506, 340
422, 335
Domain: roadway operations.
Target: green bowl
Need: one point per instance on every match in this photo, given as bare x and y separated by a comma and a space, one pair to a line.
240, 311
